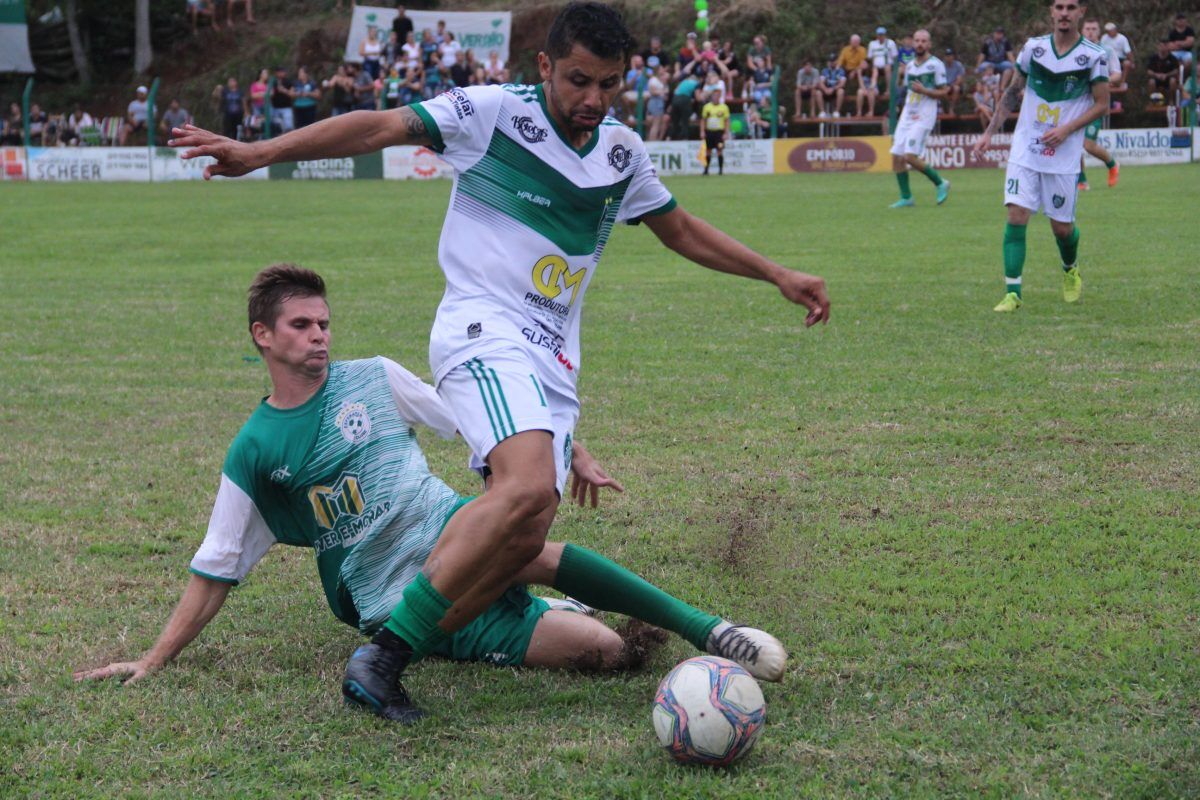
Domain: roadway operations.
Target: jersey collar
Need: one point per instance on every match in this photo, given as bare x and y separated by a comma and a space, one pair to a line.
1078, 42
588, 146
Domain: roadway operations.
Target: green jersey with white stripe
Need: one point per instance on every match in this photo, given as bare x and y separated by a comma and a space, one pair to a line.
528, 220
1058, 90
341, 474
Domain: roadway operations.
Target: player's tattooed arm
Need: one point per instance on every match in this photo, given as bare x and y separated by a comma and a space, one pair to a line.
1010, 101
415, 131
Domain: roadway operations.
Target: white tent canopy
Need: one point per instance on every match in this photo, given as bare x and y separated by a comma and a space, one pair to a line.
14, 37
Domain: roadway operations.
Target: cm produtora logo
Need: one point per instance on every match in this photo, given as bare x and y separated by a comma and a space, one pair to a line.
552, 276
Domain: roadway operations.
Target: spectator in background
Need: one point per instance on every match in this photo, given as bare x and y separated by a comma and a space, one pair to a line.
637, 81
681, 107
234, 107
176, 116
1116, 42
715, 117
806, 88
305, 94
956, 77
713, 84
758, 82
853, 59
469, 67
439, 35
494, 70
687, 56
868, 93
832, 87
429, 47
411, 51
997, 51
435, 78
364, 91
258, 93
1162, 69
135, 116
393, 88
655, 50
414, 85
985, 95
728, 58
656, 105
250, 20
883, 54
759, 49
450, 51
198, 7
14, 126
283, 95
39, 124
906, 52
81, 122
1182, 38
341, 88
391, 52
370, 49
461, 69
402, 25
1091, 32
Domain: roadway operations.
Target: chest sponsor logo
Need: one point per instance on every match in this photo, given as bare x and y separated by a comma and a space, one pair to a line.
342, 512
459, 102
529, 132
619, 157
552, 276
354, 422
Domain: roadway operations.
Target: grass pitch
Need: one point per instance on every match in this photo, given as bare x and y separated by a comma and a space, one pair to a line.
976, 533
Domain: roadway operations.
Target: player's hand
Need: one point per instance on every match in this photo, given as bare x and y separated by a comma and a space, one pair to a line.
808, 291
127, 671
980, 145
1055, 136
233, 158
588, 477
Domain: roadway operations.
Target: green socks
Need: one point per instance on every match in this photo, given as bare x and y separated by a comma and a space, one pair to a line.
1112, 162
1014, 257
592, 579
415, 618
902, 179
932, 174
1082, 176
1068, 247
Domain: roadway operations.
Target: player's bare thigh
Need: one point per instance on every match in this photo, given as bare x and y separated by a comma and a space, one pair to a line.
569, 640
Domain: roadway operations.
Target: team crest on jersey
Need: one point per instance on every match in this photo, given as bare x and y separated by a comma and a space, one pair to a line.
529, 132
354, 422
1082, 59
1039, 51
619, 157
568, 454
1058, 200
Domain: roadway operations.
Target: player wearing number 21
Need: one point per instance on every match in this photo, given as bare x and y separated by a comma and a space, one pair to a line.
541, 176
1065, 78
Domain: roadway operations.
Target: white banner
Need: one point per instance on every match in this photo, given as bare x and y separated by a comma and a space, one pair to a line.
89, 163
14, 37
481, 31
414, 163
169, 165
742, 157
1146, 146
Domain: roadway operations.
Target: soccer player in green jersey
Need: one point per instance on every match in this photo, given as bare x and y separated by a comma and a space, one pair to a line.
329, 461
541, 177
1065, 78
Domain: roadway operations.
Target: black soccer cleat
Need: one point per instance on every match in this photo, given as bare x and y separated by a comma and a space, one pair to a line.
372, 681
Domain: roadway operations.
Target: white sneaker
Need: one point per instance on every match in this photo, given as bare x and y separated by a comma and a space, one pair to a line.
823, 115
837, 113
569, 604
758, 652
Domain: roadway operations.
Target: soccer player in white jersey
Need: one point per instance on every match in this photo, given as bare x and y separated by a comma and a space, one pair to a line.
1065, 78
541, 177
329, 461
1091, 134
925, 79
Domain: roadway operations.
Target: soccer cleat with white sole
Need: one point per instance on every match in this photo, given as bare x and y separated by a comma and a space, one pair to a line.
903, 202
758, 652
569, 604
943, 191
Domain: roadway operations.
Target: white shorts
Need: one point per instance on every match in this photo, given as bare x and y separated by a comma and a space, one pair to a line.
909, 138
1048, 192
498, 394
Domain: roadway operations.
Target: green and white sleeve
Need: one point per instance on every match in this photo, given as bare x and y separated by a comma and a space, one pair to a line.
237, 538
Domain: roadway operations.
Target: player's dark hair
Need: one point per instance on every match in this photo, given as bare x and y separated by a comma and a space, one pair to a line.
599, 28
274, 286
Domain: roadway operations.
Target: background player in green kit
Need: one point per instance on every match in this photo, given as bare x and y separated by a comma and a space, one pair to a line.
1065, 78
541, 177
329, 461
1091, 134
925, 78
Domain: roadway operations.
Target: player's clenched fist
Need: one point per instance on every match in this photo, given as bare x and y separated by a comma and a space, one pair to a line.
808, 291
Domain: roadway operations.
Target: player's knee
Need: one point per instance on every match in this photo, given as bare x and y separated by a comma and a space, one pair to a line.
611, 648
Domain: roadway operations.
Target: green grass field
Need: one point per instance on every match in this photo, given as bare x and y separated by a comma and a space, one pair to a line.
977, 534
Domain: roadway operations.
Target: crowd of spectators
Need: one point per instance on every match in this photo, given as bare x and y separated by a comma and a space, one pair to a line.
665, 91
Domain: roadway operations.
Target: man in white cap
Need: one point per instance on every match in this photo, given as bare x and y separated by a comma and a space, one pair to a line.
882, 53
135, 116
1118, 45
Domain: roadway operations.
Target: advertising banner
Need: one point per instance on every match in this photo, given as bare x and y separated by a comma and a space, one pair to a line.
481, 31
953, 151
330, 169
168, 165
89, 163
742, 157
844, 154
12, 164
414, 163
14, 37
1146, 146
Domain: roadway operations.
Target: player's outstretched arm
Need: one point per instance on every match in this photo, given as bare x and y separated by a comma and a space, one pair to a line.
1010, 101
695, 239
201, 601
337, 137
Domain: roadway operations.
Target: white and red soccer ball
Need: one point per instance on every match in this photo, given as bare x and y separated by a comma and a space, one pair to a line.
708, 710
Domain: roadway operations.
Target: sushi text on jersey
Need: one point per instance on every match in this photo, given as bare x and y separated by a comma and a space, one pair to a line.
541, 339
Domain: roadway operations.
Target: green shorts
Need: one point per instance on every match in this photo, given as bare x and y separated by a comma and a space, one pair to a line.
501, 634
1092, 131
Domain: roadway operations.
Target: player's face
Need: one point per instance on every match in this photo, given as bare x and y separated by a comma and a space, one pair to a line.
1066, 15
1091, 31
300, 339
921, 43
580, 87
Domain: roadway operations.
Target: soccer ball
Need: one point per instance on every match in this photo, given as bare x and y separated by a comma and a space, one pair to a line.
708, 710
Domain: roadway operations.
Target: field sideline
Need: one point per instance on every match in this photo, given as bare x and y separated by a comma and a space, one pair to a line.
976, 533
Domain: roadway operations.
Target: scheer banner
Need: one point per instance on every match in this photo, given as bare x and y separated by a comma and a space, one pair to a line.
481, 31
76, 164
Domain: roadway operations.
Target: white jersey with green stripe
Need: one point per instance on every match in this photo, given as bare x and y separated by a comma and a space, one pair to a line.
1058, 90
528, 220
341, 474
921, 108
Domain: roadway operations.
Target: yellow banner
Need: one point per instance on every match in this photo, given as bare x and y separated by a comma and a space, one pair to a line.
844, 154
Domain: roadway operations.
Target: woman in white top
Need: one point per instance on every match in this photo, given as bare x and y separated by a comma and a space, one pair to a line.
370, 50
494, 69
411, 51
